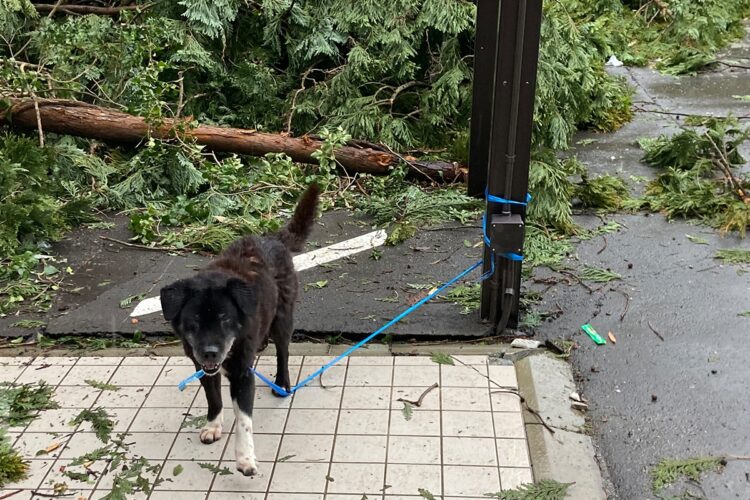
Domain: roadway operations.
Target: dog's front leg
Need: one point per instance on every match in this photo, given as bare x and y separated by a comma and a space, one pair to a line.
212, 387
242, 389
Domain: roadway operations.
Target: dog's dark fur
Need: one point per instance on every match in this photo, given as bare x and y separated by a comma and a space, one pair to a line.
226, 313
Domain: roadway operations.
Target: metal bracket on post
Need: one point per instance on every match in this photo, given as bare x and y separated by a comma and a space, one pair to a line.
505, 64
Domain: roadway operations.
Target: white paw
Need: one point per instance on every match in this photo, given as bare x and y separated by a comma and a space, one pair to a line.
247, 465
211, 433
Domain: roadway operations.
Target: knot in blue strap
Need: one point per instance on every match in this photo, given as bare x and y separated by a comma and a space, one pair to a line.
497, 199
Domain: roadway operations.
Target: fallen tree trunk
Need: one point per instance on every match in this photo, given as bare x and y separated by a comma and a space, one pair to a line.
109, 125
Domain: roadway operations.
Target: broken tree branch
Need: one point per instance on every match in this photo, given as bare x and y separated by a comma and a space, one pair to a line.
53, 9
419, 401
96, 122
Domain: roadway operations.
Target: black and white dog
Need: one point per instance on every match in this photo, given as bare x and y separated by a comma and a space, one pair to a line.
226, 313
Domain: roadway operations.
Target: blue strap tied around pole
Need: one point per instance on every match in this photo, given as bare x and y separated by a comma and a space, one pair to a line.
283, 392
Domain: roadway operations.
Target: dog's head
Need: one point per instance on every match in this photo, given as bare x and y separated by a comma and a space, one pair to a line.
209, 314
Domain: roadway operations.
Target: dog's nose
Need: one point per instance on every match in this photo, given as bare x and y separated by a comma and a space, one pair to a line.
210, 352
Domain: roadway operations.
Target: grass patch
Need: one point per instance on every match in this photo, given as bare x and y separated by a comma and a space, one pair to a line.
668, 470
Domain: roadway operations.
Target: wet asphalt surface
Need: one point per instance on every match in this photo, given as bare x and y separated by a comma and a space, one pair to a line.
680, 397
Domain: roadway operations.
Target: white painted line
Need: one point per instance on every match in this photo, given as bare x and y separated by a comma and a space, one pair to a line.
301, 262
339, 250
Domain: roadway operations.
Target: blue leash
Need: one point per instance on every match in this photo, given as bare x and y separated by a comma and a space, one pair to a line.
508, 255
283, 392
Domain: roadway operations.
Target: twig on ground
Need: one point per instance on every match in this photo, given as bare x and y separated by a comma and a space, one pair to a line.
627, 304
418, 402
143, 247
656, 332
683, 115
604, 247
8, 495
579, 280
510, 390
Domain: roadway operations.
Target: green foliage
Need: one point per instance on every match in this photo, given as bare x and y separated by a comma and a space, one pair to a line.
605, 193
210, 18
222, 471
100, 422
12, 466
549, 181
19, 404
466, 296
543, 247
679, 36
695, 166
667, 471
442, 359
96, 384
546, 489
598, 275
734, 255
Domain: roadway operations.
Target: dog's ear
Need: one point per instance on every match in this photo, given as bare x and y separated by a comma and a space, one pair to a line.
244, 295
173, 298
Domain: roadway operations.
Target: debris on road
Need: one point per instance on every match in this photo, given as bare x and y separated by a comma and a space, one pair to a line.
525, 344
598, 340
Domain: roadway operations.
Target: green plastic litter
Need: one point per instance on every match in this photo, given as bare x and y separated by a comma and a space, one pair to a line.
593, 334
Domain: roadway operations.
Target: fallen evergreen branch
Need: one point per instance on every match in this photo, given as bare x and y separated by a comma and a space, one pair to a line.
734, 255
668, 471
699, 178
545, 489
20, 404
13, 468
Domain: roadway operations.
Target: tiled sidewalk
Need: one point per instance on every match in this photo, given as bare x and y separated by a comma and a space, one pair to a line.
350, 440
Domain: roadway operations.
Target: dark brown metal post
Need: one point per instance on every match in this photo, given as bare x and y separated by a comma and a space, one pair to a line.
502, 159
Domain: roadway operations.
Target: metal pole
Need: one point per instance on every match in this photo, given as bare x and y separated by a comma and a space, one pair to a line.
504, 159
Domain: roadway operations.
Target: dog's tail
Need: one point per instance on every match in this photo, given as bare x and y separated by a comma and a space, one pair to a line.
296, 231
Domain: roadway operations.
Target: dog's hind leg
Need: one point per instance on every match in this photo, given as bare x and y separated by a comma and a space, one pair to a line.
242, 389
212, 387
281, 333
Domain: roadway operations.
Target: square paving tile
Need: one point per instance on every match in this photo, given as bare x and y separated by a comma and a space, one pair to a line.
306, 448
470, 481
408, 479
291, 477
360, 449
339, 442
414, 450
362, 479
